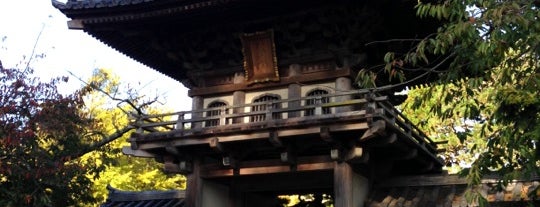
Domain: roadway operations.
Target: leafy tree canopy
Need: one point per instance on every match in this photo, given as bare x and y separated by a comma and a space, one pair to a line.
485, 56
114, 168
41, 133
62, 150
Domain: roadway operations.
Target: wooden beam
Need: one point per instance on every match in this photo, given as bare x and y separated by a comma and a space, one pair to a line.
267, 170
285, 81
137, 153
202, 139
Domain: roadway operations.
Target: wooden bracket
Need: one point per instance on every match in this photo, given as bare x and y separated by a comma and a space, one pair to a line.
229, 161
325, 134
377, 128
274, 139
288, 157
169, 165
185, 167
335, 154
357, 155
172, 150
216, 145
134, 144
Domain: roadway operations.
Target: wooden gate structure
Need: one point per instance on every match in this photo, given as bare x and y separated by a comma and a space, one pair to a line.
274, 106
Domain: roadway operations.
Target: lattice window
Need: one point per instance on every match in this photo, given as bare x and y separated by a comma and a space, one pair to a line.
319, 100
263, 107
212, 113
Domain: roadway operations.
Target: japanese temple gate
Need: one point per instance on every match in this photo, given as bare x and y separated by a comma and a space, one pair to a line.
274, 105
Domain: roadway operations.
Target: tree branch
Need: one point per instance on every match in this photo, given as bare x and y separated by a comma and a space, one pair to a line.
393, 40
104, 141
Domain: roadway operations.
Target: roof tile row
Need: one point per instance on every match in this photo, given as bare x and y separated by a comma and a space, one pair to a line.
94, 4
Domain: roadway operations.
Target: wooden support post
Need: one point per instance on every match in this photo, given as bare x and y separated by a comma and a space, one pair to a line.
194, 187
343, 84
350, 188
197, 104
239, 98
222, 119
294, 91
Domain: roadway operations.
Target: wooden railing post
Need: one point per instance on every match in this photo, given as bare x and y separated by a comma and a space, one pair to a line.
180, 122
222, 119
269, 114
318, 104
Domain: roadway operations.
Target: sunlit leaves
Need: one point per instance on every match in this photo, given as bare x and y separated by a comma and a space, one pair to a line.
108, 166
491, 81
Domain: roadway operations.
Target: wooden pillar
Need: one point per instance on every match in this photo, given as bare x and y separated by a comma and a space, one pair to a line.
197, 103
239, 97
343, 84
194, 186
294, 91
350, 188
214, 194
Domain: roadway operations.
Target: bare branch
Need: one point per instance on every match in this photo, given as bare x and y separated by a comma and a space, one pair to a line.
34, 48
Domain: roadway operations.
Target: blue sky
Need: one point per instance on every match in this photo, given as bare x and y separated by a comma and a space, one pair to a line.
73, 50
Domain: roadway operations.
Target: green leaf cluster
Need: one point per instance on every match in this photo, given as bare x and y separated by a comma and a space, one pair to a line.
485, 103
111, 167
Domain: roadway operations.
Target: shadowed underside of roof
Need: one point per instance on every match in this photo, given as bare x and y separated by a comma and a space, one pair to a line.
119, 198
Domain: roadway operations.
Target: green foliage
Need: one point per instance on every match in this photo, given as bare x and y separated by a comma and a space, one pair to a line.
112, 167
41, 132
62, 150
486, 55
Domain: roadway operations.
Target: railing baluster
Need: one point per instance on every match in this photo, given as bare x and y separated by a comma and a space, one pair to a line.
318, 103
180, 122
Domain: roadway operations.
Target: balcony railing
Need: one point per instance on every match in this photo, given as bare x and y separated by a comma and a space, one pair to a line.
344, 106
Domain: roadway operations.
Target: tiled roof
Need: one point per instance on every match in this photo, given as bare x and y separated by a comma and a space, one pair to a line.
449, 192
119, 198
88, 4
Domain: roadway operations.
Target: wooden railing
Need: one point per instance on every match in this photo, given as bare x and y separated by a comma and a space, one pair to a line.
341, 105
